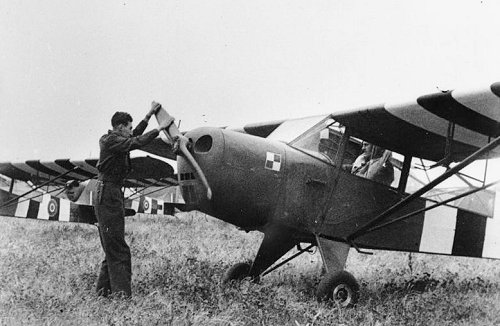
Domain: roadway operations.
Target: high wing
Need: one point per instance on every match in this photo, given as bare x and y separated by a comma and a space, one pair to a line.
462, 121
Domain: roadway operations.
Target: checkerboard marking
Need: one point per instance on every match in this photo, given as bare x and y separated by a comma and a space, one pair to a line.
273, 161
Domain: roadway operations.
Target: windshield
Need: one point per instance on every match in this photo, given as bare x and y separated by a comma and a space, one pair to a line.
294, 128
323, 141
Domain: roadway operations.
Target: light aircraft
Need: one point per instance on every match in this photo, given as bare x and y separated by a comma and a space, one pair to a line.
65, 190
293, 181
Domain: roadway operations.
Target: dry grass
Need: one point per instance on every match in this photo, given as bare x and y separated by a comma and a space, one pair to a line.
48, 272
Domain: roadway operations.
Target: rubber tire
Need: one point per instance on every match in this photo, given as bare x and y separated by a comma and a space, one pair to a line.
340, 288
236, 272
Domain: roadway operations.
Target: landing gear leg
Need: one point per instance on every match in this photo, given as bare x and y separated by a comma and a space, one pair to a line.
337, 285
277, 242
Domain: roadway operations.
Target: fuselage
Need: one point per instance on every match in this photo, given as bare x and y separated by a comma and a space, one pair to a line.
251, 178
256, 181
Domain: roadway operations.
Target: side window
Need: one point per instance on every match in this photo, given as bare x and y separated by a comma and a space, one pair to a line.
324, 141
329, 140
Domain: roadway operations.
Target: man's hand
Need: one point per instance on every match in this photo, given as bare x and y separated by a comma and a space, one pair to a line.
155, 106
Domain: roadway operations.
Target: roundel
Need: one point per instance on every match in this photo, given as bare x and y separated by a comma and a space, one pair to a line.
145, 204
52, 207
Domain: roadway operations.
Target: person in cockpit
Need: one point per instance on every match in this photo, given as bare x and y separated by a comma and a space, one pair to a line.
362, 159
374, 163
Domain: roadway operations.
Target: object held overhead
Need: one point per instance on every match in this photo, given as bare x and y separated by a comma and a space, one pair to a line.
180, 143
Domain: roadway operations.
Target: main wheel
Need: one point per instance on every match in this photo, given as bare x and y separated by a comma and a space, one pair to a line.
236, 272
340, 288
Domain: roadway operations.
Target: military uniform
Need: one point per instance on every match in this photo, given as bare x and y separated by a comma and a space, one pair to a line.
114, 164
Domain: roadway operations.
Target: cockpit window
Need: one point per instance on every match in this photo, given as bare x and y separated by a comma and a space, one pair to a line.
323, 139
292, 129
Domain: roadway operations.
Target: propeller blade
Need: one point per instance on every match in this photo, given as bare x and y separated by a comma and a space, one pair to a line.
173, 133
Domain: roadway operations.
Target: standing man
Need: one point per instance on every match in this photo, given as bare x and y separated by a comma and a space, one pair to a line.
114, 164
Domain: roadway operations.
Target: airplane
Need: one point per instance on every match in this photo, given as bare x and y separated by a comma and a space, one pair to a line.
292, 180
71, 188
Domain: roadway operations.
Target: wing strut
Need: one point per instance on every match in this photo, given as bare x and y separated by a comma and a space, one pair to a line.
143, 188
298, 253
38, 187
60, 189
11, 186
148, 193
404, 217
365, 228
446, 160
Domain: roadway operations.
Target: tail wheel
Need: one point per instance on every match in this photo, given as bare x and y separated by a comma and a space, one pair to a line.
236, 272
340, 288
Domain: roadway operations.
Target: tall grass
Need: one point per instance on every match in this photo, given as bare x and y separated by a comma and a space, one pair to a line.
48, 270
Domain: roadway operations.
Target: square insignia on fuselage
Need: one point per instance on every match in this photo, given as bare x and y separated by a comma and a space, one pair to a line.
273, 161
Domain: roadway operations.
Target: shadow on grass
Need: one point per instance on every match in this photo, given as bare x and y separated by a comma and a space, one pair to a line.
450, 283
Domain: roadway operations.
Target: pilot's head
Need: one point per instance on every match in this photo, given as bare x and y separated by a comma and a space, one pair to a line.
122, 123
73, 190
366, 148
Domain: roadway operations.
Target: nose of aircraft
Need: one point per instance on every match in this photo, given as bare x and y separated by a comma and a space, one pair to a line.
244, 185
181, 142
207, 147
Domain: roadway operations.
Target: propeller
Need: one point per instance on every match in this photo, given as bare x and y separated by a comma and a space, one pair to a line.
180, 142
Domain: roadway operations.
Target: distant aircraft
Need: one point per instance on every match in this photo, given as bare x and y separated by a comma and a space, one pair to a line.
293, 181
70, 189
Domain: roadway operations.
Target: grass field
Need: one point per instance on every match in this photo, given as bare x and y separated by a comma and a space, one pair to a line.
48, 272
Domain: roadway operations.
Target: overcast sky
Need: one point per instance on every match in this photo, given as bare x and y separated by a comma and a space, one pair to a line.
67, 66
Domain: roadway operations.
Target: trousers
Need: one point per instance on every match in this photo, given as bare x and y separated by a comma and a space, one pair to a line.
115, 275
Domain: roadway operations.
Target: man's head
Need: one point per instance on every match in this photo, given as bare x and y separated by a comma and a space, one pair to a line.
366, 148
122, 123
73, 190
